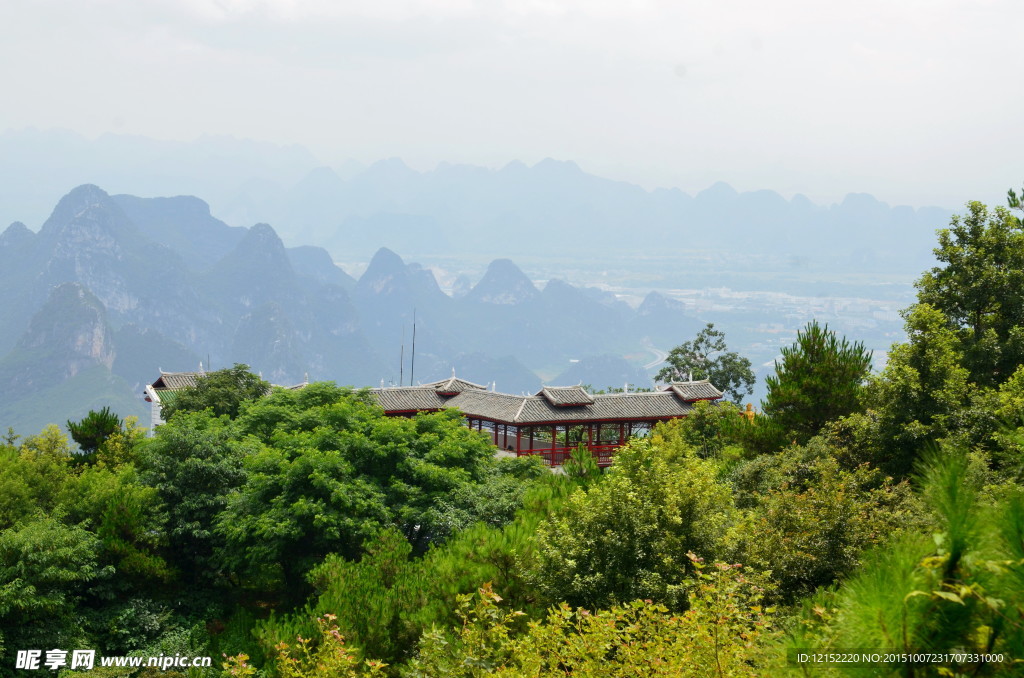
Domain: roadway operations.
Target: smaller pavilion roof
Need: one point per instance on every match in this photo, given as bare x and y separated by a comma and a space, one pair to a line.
691, 391
454, 385
174, 381
566, 396
169, 382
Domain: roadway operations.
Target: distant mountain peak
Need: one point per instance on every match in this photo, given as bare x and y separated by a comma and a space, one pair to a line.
657, 304
258, 270
559, 289
389, 283
514, 168
15, 234
263, 231
862, 201
385, 260
76, 203
261, 247
503, 283
17, 226
718, 191
390, 168
86, 193
381, 276
564, 167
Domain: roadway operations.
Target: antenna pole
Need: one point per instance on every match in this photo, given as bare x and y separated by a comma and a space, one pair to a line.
401, 359
412, 367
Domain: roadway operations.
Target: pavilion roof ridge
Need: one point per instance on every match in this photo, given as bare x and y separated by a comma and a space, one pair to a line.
422, 387
630, 394
566, 396
519, 412
702, 389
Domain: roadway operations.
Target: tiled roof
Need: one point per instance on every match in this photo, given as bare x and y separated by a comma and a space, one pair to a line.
563, 396
410, 398
176, 380
489, 404
455, 385
652, 405
537, 409
694, 390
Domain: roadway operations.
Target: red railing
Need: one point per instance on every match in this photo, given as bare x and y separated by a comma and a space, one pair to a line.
557, 456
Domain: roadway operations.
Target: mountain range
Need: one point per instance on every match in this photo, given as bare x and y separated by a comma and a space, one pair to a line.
552, 208
113, 288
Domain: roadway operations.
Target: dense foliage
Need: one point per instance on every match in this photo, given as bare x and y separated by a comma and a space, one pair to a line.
301, 533
627, 537
977, 288
222, 391
818, 380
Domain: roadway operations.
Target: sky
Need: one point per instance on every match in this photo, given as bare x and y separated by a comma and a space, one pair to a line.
916, 102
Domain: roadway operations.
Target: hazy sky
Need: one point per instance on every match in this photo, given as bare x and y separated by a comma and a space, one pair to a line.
916, 102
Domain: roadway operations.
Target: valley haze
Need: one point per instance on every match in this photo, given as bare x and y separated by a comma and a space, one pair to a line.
518, 276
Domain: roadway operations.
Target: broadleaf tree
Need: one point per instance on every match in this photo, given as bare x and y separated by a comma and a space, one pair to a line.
708, 357
977, 287
223, 391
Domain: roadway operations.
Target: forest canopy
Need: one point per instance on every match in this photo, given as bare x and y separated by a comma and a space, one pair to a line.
299, 533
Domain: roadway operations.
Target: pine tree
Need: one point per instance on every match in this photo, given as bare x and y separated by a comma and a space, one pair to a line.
94, 429
818, 380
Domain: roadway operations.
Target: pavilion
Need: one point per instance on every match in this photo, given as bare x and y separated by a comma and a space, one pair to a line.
167, 385
554, 421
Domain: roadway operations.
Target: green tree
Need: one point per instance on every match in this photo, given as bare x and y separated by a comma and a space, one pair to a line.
194, 462
126, 515
375, 600
94, 430
977, 287
31, 481
295, 508
709, 428
334, 470
811, 528
496, 497
819, 380
627, 537
223, 391
918, 394
707, 357
1008, 457
957, 589
1015, 201
46, 568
